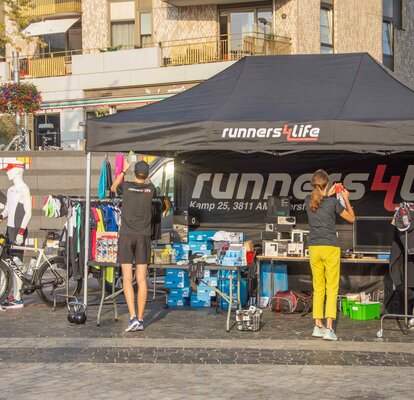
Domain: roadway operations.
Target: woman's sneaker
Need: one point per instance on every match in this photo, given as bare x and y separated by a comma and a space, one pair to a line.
133, 325
319, 332
329, 335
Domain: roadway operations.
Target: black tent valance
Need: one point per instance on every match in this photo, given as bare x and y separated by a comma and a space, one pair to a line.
272, 103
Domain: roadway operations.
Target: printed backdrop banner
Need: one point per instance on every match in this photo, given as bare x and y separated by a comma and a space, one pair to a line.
229, 187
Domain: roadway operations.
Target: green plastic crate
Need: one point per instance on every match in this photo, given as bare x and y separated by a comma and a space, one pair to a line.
365, 312
346, 305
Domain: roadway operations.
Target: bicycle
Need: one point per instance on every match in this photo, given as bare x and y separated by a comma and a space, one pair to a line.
48, 277
18, 142
46, 146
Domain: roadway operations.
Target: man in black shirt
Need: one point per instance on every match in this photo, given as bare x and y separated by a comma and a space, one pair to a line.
134, 242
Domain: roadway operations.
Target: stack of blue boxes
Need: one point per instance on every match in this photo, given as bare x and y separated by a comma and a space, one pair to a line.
204, 291
273, 278
178, 282
198, 242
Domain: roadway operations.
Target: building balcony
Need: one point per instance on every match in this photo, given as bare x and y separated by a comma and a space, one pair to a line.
166, 54
223, 48
41, 8
187, 3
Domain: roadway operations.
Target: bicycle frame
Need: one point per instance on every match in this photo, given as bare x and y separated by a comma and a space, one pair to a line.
21, 140
16, 269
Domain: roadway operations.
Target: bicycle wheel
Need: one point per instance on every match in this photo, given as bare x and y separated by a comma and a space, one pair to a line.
5, 285
51, 280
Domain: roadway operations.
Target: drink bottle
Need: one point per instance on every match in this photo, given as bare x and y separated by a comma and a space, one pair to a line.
339, 194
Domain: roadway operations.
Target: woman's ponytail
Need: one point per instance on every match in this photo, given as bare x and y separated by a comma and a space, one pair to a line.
319, 181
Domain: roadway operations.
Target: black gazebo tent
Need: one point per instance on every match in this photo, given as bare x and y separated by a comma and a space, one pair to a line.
273, 103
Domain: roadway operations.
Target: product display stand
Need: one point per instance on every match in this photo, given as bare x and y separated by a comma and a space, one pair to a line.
380, 333
69, 201
67, 296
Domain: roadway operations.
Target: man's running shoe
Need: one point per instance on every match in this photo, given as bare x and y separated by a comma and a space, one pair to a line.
7, 302
133, 325
141, 325
12, 303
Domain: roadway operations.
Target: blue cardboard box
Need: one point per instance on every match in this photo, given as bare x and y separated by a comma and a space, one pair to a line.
181, 247
176, 273
201, 246
180, 293
176, 282
211, 281
200, 236
182, 256
243, 294
199, 303
178, 302
205, 294
273, 278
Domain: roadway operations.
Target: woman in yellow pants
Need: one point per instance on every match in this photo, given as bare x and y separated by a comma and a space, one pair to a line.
324, 252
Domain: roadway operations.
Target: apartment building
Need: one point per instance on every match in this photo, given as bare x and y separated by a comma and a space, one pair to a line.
102, 56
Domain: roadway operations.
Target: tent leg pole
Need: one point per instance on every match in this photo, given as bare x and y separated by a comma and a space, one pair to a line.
87, 215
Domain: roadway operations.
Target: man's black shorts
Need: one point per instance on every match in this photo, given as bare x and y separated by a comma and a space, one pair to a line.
133, 249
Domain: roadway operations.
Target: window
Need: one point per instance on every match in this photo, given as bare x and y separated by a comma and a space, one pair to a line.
392, 19
241, 30
264, 22
54, 43
326, 29
169, 180
387, 38
392, 10
122, 34
145, 29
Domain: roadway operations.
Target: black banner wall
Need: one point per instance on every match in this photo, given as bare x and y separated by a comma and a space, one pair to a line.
232, 188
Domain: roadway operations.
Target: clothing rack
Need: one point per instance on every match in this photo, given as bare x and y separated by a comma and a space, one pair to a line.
70, 200
406, 314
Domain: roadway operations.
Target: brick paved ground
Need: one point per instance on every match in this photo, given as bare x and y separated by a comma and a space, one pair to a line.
187, 353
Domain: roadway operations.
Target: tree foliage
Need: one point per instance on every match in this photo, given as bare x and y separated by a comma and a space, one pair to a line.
16, 12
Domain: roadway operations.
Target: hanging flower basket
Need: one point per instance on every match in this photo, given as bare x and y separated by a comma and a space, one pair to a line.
21, 98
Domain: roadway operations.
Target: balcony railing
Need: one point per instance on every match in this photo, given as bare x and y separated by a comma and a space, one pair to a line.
223, 48
178, 52
46, 65
48, 7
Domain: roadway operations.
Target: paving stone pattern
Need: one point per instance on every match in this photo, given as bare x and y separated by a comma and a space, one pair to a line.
186, 353
190, 355
187, 323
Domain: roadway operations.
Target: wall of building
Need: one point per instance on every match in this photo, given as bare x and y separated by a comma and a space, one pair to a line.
358, 27
95, 26
177, 23
308, 30
404, 46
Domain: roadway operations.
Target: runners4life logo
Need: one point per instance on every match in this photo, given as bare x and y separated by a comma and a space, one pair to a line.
293, 133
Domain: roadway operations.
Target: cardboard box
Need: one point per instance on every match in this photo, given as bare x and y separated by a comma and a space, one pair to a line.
199, 303
200, 236
176, 272
205, 294
213, 281
180, 293
201, 246
176, 282
178, 302
273, 278
296, 249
